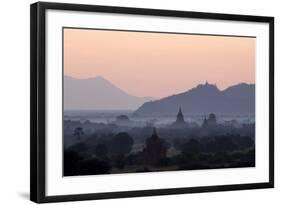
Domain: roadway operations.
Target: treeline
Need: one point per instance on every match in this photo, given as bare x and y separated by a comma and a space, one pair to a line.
113, 153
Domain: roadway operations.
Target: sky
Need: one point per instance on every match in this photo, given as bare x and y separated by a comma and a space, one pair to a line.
156, 64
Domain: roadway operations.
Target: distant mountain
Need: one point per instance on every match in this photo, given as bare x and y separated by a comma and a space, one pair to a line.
97, 93
241, 91
204, 99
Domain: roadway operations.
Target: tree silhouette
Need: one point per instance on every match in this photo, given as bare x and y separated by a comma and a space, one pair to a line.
101, 151
121, 144
93, 166
191, 147
78, 132
71, 163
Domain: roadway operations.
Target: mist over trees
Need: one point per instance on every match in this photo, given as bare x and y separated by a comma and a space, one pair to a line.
108, 148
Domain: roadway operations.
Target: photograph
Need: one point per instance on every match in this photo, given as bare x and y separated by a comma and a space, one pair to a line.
145, 101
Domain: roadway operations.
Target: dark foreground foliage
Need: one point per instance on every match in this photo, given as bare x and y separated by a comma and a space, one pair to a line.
114, 153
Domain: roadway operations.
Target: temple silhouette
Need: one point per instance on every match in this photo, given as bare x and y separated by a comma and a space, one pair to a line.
155, 149
180, 122
210, 122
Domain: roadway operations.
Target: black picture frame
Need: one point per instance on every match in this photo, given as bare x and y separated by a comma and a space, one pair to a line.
38, 101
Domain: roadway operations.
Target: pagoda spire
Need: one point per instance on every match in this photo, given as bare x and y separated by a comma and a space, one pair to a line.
154, 134
180, 117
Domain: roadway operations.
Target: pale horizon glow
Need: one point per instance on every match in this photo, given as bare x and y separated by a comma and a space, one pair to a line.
156, 64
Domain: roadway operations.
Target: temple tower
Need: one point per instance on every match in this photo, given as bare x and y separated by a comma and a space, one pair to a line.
180, 118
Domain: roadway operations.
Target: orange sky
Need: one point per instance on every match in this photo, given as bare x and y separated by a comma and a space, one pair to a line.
158, 65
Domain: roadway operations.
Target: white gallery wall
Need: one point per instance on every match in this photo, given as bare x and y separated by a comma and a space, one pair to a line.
14, 101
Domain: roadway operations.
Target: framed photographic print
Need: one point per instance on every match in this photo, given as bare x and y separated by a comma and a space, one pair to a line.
129, 102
